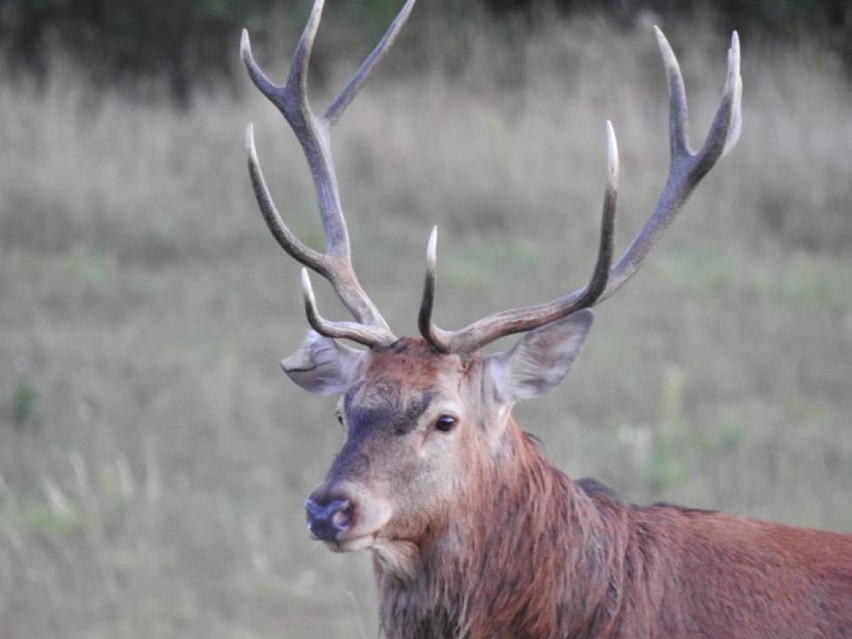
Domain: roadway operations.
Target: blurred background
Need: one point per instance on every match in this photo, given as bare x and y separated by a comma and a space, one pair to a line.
153, 458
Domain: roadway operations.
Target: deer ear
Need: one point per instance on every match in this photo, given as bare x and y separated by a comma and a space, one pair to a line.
323, 366
540, 360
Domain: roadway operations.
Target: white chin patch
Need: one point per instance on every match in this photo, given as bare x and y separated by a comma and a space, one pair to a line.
351, 545
401, 558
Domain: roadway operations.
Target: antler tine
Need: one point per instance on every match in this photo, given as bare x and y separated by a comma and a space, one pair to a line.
686, 170
342, 330
338, 105
312, 132
434, 335
518, 320
289, 242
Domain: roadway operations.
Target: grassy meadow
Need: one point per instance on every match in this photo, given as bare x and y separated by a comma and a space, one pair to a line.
153, 458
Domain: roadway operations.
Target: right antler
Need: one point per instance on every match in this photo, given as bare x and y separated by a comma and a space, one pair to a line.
686, 170
312, 133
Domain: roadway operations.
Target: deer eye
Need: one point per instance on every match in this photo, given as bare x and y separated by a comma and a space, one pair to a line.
445, 423
339, 418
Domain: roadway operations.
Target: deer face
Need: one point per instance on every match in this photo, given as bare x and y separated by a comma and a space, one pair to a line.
418, 424
407, 424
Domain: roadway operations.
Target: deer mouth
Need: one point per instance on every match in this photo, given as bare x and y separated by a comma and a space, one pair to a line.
362, 542
401, 558
364, 534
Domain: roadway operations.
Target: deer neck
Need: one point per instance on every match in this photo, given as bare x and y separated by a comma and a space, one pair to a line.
532, 517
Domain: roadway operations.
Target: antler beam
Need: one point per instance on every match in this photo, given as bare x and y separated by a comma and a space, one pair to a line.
519, 320
312, 132
686, 170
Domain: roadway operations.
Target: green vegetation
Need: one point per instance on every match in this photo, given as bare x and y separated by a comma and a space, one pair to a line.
153, 459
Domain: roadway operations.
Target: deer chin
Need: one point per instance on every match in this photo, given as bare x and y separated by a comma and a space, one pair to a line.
397, 556
400, 558
362, 542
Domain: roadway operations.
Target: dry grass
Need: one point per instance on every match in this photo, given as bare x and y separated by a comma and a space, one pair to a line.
152, 457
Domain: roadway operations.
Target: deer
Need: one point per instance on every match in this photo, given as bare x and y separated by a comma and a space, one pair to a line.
474, 534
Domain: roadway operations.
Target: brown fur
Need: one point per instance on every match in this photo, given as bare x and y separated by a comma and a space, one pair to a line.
526, 552
475, 535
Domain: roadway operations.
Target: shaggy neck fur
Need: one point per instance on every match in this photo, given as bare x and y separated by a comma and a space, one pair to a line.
557, 539
527, 553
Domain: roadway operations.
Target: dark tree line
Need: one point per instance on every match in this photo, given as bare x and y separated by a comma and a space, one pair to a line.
176, 41
186, 42
773, 19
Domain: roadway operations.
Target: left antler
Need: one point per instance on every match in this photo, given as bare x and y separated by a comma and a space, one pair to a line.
312, 133
686, 170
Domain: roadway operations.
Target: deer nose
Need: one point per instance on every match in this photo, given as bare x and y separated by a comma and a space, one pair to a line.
326, 521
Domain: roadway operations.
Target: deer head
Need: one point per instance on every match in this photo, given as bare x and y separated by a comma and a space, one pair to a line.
425, 416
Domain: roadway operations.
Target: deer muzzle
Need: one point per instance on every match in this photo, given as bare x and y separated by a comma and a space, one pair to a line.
346, 516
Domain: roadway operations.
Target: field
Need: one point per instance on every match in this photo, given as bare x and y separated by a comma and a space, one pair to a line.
153, 459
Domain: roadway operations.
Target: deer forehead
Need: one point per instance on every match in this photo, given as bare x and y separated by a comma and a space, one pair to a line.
406, 380
411, 363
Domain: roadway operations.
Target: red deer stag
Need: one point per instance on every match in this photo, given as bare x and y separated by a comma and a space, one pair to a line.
473, 532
